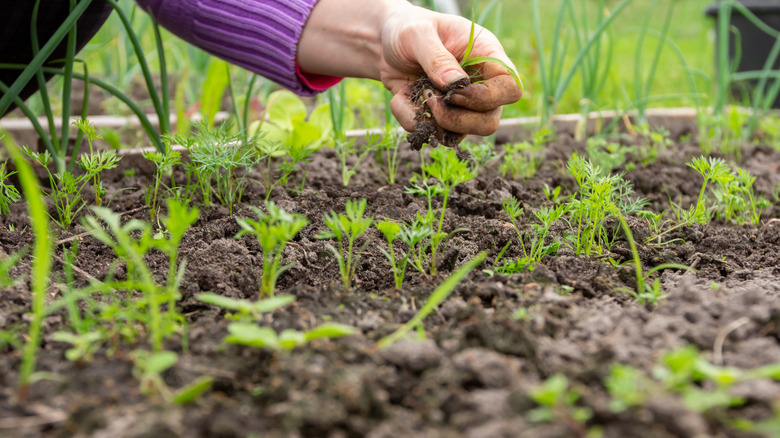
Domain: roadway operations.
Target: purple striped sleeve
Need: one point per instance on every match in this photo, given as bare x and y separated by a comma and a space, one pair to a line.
259, 35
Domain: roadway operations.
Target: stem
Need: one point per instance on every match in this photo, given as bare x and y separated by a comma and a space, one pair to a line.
41, 265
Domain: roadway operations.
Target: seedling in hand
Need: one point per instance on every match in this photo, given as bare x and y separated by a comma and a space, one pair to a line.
349, 227
273, 230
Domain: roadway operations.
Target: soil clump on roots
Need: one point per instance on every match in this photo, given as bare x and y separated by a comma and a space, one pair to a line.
425, 133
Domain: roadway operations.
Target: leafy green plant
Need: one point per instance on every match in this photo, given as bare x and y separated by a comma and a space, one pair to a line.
655, 142
246, 310
538, 247
163, 163
160, 323
557, 403
481, 153
41, 266
273, 230
253, 335
95, 162
436, 298
711, 169
645, 292
523, 159
223, 161
627, 387
148, 369
392, 231
177, 221
8, 193
593, 204
737, 201
449, 171
608, 156
416, 235
588, 59
349, 227
386, 153
468, 62
245, 331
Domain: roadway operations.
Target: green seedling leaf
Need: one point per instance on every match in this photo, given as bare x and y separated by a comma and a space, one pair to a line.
330, 330
304, 134
437, 297
290, 339
160, 361
252, 335
191, 392
483, 59
284, 107
214, 89
245, 306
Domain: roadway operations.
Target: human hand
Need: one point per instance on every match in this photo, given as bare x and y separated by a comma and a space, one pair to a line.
416, 41
397, 43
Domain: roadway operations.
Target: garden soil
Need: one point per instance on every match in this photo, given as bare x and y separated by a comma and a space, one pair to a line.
472, 374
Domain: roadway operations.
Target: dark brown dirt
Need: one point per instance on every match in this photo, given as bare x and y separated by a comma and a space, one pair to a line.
472, 375
425, 133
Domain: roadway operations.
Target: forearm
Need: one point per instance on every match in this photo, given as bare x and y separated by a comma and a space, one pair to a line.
344, 37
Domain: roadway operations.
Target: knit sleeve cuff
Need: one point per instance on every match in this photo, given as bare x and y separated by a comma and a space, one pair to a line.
261, 36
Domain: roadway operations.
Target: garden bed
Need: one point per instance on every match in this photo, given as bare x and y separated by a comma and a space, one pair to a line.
489, 347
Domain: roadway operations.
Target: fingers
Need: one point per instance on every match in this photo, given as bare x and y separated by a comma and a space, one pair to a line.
437, 61
463, 120
498, 88
403, 109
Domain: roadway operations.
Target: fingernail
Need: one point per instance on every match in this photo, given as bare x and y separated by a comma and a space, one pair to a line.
452, 76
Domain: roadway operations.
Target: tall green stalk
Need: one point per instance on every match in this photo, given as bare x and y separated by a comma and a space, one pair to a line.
41, 265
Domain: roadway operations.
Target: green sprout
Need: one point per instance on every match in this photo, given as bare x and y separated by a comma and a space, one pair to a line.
148, 369
646, 293
223, 161
538, 249
468, 61
436, 298
557, 403
349, 226
273, 230
8, 193
95, 162
449, 171
392, 231
163, 163
244, 330
41, 267
711, 169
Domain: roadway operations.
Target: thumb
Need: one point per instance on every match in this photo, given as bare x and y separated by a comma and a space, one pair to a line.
439, 64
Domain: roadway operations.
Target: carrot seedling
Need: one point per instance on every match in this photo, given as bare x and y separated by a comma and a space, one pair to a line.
392, 231
437, 297
449, 171
8, 193
349, 227
95, 162
273, 230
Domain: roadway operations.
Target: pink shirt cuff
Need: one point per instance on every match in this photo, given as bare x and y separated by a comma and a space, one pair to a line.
315, 81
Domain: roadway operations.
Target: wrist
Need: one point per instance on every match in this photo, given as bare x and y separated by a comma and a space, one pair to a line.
344, 37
